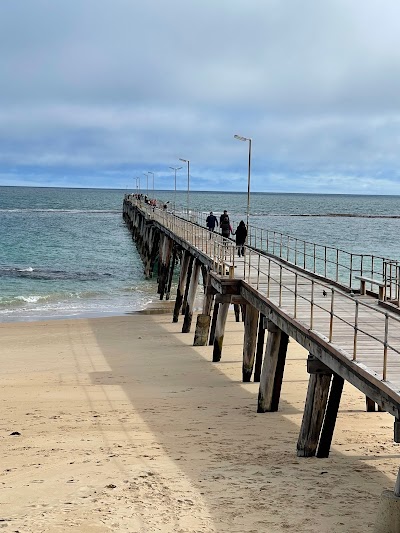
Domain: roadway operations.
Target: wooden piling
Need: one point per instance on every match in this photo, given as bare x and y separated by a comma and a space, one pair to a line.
220, 331
202, 329
369, 405
314, 409
259, 348
171, 273
213, 324
194, 281
204, 319
181, 285
150, 254
331, 413
272, 369
396, 429
165, 262
249, 342
188, 278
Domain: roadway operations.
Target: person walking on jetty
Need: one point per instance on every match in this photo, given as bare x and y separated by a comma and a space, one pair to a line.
240, 236
211, 222
225, 224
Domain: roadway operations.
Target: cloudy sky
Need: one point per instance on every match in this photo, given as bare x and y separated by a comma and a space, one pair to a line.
96, 92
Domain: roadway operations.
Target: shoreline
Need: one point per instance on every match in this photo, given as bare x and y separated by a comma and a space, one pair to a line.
152, 307
124, 426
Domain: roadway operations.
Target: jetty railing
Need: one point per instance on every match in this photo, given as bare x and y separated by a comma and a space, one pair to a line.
218, 248
335, 264
325, 309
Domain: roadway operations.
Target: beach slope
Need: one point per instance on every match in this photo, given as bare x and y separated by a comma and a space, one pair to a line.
120, 424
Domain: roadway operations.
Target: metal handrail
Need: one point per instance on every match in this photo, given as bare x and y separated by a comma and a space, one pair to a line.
336, 293
330, 262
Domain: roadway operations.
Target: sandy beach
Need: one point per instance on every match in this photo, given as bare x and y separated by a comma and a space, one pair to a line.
120, 424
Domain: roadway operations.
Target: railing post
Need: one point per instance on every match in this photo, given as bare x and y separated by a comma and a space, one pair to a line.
295, 295
325, 261
244, 264
248, 279
258, 271
351, 269
337, 264
385, 347
287, 248
304, 255
280, 285
295, 252
331, 313
314, 258
269, 276
312, 305
355, 333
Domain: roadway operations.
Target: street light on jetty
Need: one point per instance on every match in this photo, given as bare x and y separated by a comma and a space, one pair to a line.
240, 138
149, 172
175, 169
188, 183
138, 183
147, 182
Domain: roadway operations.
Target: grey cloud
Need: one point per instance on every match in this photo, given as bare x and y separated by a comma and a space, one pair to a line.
96, 84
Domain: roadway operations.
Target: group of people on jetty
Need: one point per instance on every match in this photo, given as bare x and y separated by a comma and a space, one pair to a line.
212, 222
226, 229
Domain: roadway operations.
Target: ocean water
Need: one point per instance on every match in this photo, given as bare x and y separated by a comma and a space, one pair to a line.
67, 252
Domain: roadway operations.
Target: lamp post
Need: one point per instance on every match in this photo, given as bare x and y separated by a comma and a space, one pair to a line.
175, 169
149, 172
138, 183
147, 182
188, 182
240, 138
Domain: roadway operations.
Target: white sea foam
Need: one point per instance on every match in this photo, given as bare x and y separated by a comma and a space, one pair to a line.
29, 269
31, 299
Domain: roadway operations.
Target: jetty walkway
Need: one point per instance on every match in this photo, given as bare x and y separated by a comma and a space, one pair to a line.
351, 334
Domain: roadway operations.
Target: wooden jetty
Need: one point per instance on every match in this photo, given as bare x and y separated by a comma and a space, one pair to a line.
351, 334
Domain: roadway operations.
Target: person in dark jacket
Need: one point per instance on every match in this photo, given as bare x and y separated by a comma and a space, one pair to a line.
211, 222
240, 235
225, 224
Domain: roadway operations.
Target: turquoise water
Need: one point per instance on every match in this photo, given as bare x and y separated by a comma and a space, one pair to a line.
67, 252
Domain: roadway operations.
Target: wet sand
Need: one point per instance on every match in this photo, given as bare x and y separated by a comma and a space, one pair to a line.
121, 425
